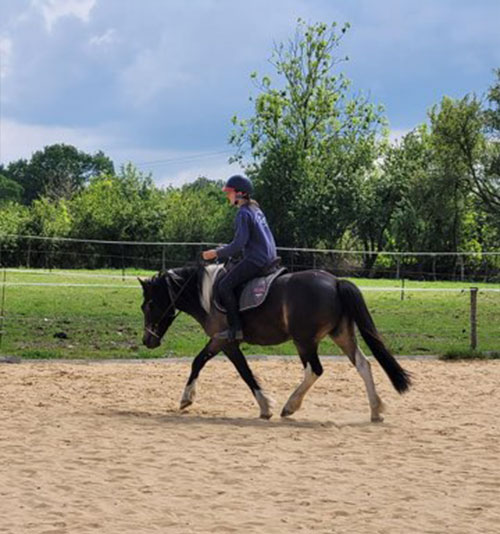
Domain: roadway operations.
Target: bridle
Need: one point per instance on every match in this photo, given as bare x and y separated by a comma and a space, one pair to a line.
173, 300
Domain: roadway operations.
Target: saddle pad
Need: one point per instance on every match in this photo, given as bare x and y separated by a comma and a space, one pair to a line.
255, 291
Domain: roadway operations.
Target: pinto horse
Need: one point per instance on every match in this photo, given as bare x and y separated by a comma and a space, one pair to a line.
304, 306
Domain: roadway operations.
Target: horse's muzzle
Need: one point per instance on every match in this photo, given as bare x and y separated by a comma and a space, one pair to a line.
150, 339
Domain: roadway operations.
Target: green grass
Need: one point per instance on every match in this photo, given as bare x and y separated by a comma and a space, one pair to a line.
470, 354
107, 322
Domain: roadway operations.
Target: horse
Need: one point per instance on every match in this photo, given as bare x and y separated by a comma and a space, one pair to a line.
304, 307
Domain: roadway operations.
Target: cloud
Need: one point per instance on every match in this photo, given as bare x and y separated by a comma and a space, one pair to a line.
168, 166
53, 10
151, 73
396, 135
130, 77
107, 38
5, 55
18, 140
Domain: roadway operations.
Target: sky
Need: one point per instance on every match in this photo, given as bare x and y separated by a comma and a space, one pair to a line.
156, 82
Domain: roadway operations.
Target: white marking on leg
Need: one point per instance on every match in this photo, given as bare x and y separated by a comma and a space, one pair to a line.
364, 369
265, 404
296, 398
188, 395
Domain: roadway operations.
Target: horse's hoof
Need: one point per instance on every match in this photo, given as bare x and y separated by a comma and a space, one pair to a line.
286, 412
185, 403
377, 419
266, 416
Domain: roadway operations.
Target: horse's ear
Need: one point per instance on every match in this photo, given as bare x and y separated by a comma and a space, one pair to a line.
142, 282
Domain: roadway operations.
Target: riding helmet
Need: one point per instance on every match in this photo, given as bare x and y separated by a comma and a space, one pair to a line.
240, 184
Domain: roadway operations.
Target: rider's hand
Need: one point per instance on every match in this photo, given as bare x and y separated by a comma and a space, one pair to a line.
209, 254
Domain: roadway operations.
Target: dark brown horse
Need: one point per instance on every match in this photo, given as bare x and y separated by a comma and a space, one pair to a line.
304, 307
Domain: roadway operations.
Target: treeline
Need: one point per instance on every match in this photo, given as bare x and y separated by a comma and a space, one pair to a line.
324, 170
122, 206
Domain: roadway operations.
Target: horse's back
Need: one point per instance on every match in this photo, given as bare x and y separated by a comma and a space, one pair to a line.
299, 305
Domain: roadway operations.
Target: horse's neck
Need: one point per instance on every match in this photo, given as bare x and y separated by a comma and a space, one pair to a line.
189, 301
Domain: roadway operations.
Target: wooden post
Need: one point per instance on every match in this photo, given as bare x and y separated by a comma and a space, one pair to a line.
402, 288
123, 263
473, 318
28, 258
2, 307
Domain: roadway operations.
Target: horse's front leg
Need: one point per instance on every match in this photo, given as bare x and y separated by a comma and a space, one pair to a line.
233, 352
199, 362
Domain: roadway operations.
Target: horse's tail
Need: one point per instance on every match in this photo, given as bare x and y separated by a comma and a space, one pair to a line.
355, 307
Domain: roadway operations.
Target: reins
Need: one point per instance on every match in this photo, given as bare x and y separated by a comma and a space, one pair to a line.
173, 300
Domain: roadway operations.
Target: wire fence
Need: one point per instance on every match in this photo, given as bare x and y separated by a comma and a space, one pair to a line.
70, 253
62, 297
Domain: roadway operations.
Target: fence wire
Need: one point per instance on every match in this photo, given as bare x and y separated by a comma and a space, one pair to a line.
68, 253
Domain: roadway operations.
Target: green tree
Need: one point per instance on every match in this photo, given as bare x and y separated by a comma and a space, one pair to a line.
197, 212
407, 165
13, 219
311, 139
57, 171
125, 206
10, 190
487, 175
50, 218
436, 210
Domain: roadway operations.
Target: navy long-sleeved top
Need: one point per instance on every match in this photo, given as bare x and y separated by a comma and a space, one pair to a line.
252, 236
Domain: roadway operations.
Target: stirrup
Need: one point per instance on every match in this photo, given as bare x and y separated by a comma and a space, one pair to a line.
230, 335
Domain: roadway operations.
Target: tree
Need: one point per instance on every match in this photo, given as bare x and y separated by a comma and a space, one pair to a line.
381, 192
125, 206
57, 171
437, 210
311, 139
487, 180
9, 190
50, 218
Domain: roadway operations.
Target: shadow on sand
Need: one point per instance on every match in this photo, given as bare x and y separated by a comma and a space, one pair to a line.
185, 419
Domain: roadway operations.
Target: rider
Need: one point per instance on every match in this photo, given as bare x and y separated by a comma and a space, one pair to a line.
254, 238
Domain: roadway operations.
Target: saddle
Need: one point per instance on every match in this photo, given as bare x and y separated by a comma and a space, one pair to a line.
253, 293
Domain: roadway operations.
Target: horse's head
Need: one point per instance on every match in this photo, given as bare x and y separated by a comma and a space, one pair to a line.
158, 309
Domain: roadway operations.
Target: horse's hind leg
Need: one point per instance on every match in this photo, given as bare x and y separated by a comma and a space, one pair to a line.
346, 340
313, 369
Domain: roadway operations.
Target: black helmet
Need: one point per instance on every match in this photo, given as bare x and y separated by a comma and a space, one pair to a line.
240, 184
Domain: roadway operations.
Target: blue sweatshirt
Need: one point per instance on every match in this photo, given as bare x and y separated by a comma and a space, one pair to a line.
252, 236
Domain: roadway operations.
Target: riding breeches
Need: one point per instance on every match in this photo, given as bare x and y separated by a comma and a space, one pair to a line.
242, 272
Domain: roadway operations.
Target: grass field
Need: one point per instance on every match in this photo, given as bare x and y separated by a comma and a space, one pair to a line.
106, 322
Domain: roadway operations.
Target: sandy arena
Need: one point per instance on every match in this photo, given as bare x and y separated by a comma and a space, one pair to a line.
103, 448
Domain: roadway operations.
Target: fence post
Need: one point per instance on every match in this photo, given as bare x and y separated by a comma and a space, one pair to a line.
123, 262
473, 318
2, 307
28, 258
402, 288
